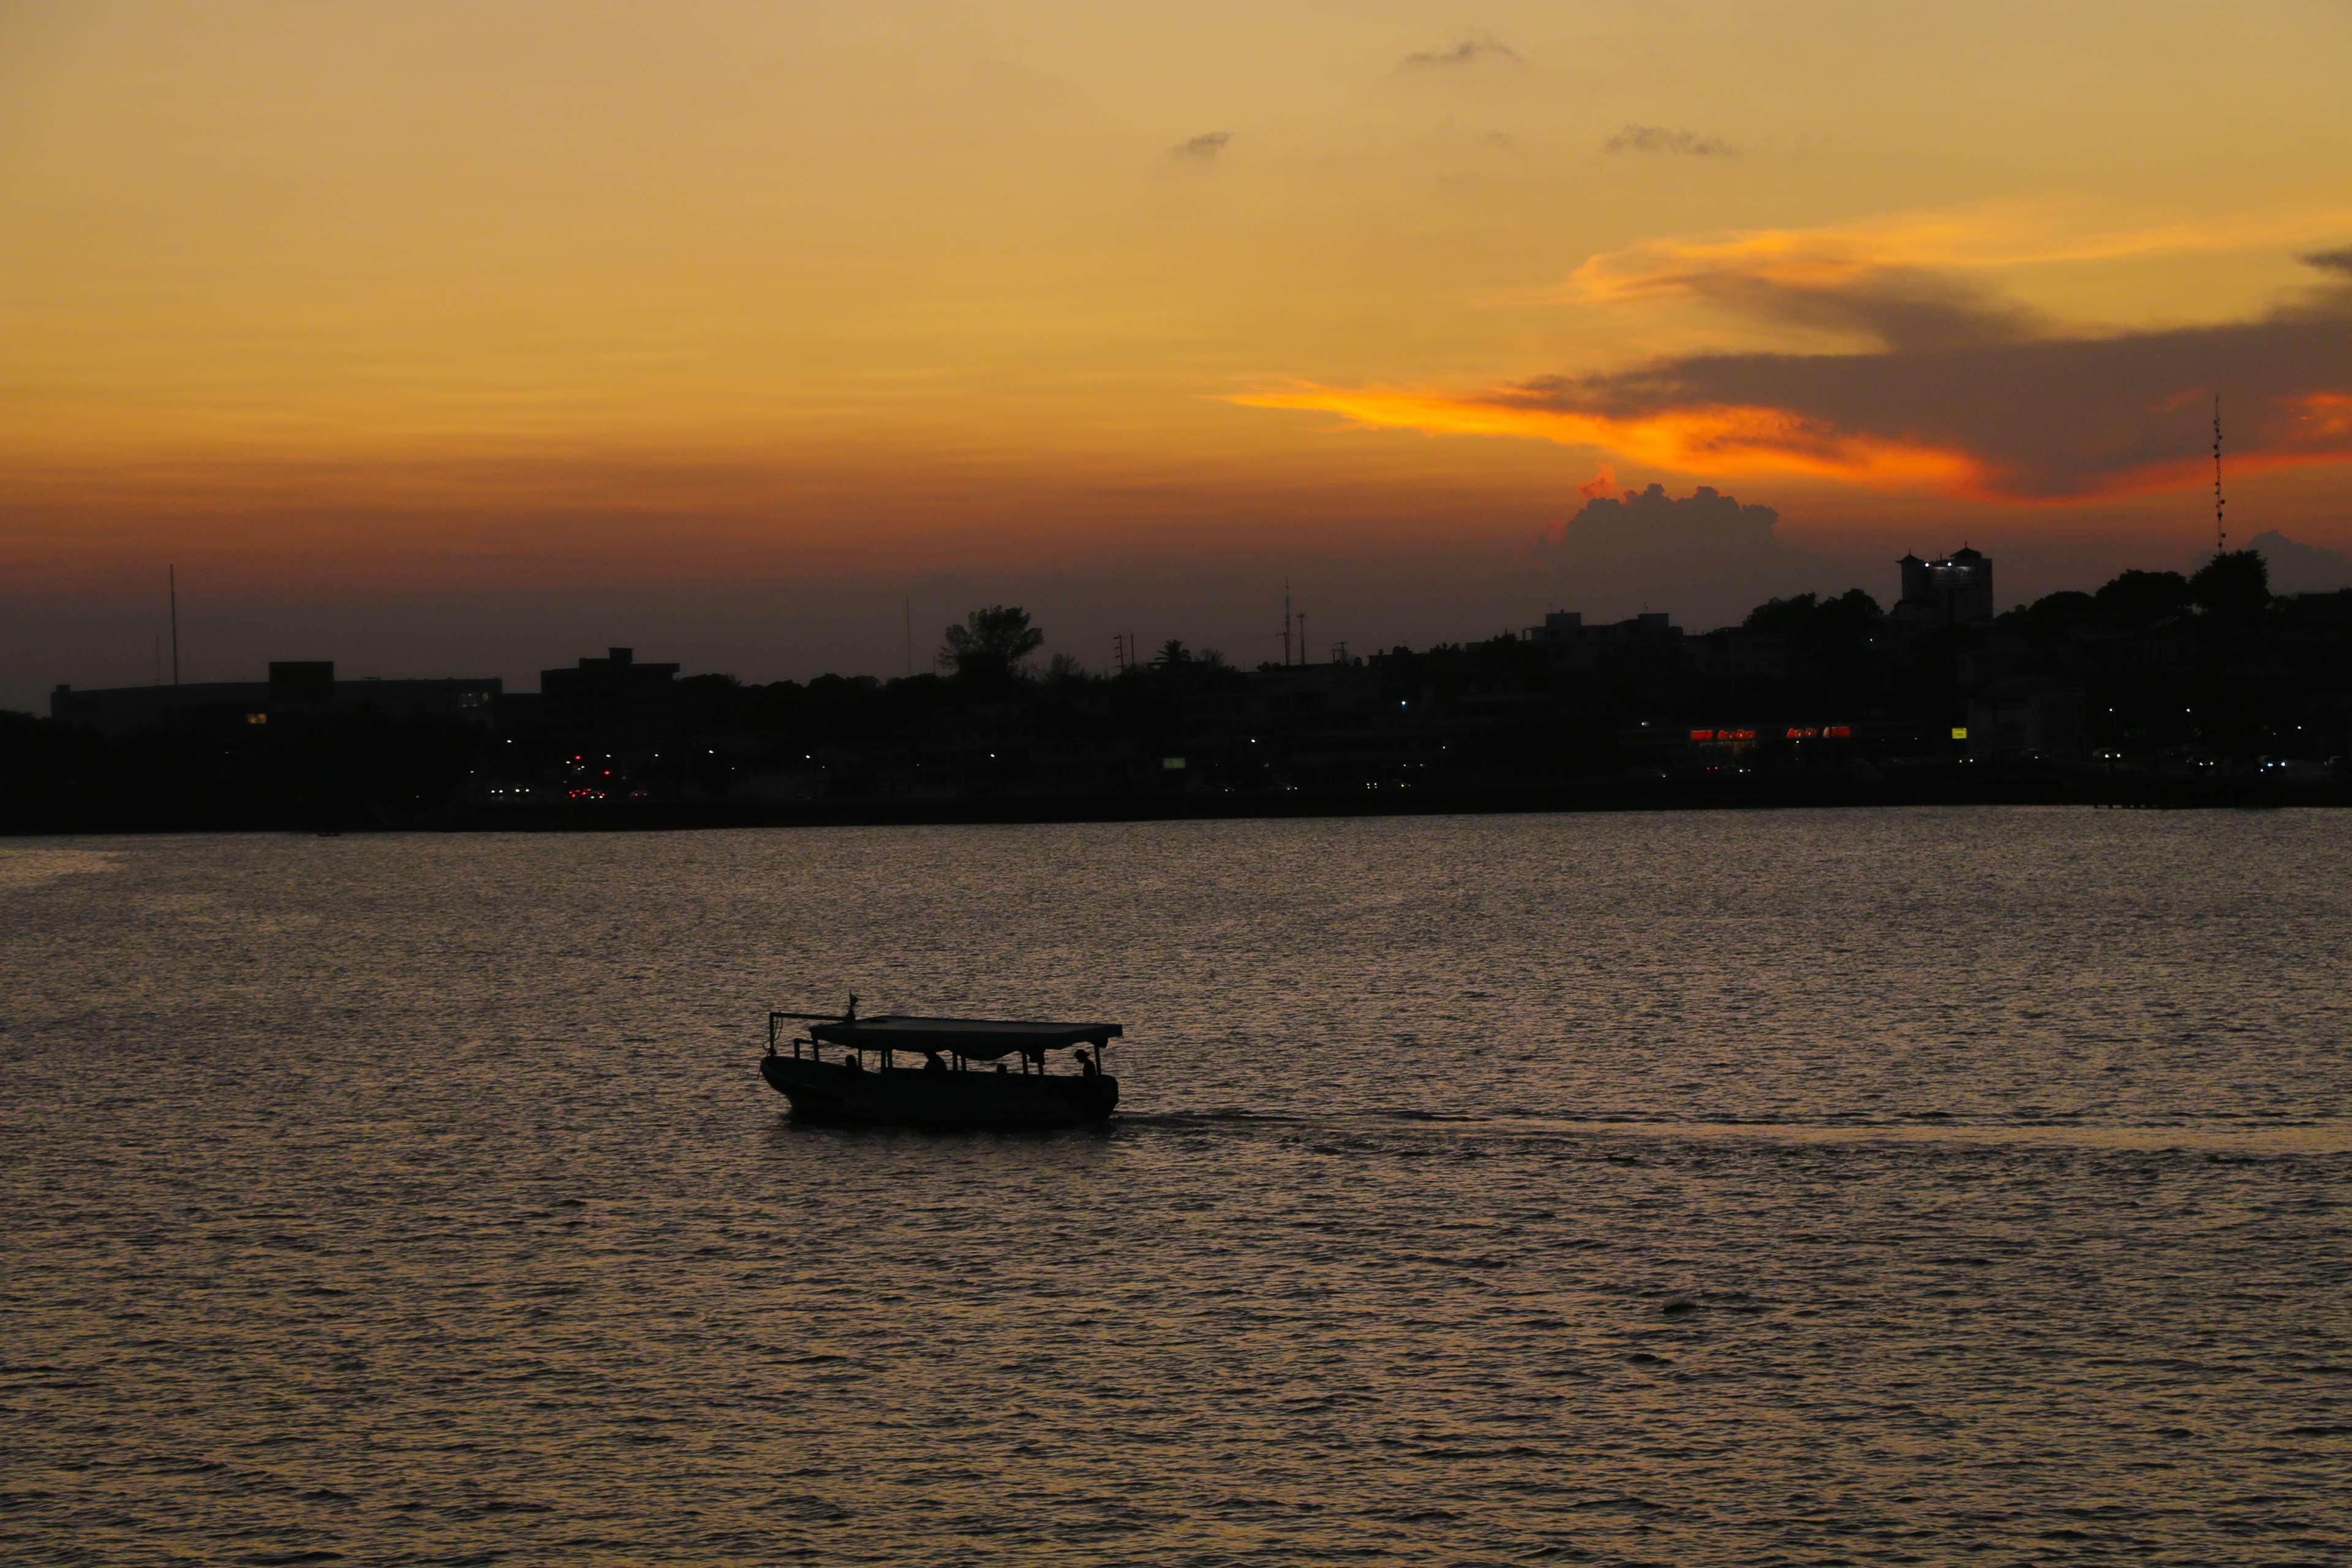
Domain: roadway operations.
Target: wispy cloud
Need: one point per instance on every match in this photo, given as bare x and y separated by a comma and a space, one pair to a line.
1662, 139
1894, 306
1995, 236
1914, 281
1203, 147
1473, 49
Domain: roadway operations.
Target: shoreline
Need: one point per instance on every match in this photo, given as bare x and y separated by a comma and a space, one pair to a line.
1940, 786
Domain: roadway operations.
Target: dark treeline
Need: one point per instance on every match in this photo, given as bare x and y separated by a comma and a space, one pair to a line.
2156, 673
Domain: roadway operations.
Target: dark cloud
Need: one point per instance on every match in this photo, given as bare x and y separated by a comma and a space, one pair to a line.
1661, 139
2298, 568
1703, 557
1470, 51
1900, 307
2035, 418
1203, 148
2337, 260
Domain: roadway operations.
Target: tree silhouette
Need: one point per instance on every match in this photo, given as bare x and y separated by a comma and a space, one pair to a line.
1809, 620
2232, 586
989, 649
2139, 599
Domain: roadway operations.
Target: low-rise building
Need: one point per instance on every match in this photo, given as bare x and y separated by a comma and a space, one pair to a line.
609, 701
296, 690
1736, 655
1574, 649
2027, 720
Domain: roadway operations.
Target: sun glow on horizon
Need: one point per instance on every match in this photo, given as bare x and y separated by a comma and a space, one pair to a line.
338, 298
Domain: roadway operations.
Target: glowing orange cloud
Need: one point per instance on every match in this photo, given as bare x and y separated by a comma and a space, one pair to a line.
1706, 439
1712, 441
1601, 486
2329, 414
2180, 473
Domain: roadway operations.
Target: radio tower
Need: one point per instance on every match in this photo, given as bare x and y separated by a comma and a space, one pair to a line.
2221, 533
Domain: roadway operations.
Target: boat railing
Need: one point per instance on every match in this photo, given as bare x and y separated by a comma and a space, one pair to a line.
1031, 1061
774, 1018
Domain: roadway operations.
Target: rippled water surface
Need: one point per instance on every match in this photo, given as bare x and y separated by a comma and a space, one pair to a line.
1931, 1186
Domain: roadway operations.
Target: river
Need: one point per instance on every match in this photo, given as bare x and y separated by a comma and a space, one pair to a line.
1706, 1188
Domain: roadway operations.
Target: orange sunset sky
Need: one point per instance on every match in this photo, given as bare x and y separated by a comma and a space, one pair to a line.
470, 338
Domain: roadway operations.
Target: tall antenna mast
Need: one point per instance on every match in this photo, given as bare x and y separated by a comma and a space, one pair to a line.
172, 580
1285, 622
2221, 533
910, 636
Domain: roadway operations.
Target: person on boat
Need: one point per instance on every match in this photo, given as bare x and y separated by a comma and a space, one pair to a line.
852, 1062
1087, 1064
931, 1062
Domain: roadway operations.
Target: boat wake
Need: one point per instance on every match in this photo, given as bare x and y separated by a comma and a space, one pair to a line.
1929, 1129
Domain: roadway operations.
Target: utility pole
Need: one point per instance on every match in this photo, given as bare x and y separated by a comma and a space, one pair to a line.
910, 635
1302, 636
172, 583
1285, 623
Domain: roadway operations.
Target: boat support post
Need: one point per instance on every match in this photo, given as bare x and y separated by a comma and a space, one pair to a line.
816, 1017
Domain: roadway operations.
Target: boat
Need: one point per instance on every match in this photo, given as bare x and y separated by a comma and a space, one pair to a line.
963, 1074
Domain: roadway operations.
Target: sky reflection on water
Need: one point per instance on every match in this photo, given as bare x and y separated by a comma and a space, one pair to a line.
1703, 1189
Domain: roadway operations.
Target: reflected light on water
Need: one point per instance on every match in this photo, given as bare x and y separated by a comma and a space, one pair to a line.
1707, 1189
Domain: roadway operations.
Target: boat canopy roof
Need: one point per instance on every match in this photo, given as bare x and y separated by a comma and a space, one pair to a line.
984, 1039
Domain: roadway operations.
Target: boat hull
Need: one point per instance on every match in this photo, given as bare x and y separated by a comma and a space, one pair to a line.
830, 1093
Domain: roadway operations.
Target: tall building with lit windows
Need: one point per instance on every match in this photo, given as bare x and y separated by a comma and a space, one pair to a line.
1953, 592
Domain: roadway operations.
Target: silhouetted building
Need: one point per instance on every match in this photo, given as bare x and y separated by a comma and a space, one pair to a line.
2332, 608
2023, 718
121, 710
467, 700
1953, 592
609, 701
1572, 648
1309, 693
296, 690
1736, 655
